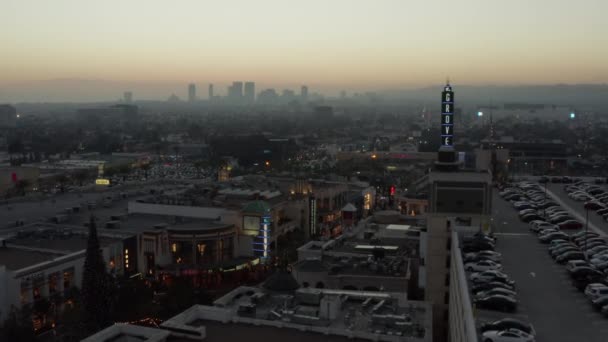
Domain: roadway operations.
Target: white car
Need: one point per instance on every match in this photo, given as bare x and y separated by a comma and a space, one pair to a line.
572, 264
596, 290
509, 335
496, 291
483, 265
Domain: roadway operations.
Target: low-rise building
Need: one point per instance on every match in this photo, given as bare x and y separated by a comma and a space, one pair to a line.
44, 262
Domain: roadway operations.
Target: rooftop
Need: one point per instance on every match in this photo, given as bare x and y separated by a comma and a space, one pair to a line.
16, 259
366, 315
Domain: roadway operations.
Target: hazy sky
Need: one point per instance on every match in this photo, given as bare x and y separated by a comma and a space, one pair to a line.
330, 44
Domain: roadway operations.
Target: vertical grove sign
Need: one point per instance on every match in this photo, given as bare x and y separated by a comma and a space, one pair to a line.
447, 116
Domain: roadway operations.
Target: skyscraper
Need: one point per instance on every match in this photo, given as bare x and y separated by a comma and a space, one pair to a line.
210, 91
235, 92
127, 97
249, 92
191, 92
304, 93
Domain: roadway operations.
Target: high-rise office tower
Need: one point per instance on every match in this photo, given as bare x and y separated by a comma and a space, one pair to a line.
249, 92
191, 92
235, 92
211, 91
304, 93
127, 97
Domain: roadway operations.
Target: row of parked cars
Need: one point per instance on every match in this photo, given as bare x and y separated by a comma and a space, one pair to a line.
493, 290
595, 197
532, 204
584, 253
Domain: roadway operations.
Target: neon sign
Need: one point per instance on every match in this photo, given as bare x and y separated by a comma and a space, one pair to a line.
447, 116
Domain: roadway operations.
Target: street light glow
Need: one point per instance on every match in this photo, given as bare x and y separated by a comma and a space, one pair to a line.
572, 115
479, 113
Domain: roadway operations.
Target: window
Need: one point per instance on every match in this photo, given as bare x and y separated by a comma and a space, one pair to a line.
53, 282
149, 246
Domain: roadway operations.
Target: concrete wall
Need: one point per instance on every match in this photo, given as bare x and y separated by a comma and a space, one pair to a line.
176, 210
461, 321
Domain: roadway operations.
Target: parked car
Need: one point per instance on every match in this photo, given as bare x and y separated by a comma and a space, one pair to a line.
570, 224
585, 271
562, 250
582, 282
509, 335
482, 265
572, 264
508, 323
600, 302
496, 291
552, 236
476, 246
472, 257
486, 286
571, 255
490, 276
530, 217
596, 290
497, 302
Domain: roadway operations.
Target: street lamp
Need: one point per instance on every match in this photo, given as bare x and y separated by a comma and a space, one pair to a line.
587, 207
545, 204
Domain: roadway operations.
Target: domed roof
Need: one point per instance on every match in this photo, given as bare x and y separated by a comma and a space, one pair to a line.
258, 207
281, 281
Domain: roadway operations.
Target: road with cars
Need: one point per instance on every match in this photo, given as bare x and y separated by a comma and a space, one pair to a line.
547, 298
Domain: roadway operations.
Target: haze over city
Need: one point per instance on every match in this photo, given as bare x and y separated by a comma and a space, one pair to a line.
320, 170
329, 45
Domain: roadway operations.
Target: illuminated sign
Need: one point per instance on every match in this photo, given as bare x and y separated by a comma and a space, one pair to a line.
102, 181
312, 210
261, 243
447, 116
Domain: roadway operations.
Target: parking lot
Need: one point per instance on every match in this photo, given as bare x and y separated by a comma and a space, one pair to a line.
547, 299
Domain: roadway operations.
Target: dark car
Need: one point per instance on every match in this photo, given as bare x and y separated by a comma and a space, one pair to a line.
543, 179
572, 255
560, 218
581, 282
570, 224
497, 302
556, 180
600, 302
552, 236
559, 251
584, 271
513, 197
593, 205
508, 323
480, 287
531, 217
476, 246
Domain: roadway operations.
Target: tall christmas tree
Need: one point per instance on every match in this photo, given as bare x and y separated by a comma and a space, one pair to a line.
96, 296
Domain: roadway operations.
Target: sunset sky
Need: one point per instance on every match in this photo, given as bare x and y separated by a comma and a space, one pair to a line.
329, 44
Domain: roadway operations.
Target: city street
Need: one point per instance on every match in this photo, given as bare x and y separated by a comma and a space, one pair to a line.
547, 299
